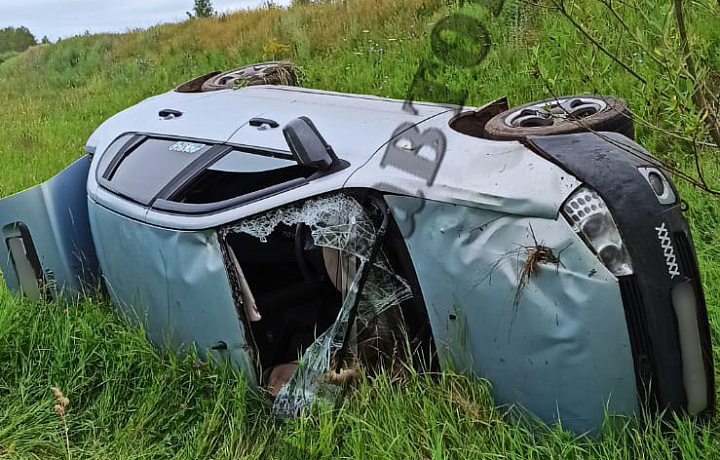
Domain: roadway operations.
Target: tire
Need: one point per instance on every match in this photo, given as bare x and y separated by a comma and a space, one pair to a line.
263, 73
563, 115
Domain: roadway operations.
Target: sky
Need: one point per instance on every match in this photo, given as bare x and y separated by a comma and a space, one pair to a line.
65, 18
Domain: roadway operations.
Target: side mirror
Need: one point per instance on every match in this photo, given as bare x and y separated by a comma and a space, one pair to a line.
308, 146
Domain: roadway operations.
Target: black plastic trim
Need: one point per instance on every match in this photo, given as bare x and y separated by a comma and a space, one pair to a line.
638, 332
124, 151
211, 208
191, 172
166, 113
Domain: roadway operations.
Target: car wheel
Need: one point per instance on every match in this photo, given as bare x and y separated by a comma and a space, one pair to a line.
263, 73
563, 115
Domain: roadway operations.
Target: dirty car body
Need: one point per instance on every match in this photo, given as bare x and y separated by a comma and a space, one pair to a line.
556, 267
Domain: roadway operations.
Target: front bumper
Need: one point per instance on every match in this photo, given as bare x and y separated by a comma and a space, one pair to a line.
658, 239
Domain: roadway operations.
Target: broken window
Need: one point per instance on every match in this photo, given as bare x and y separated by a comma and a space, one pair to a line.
240, 173
326, 300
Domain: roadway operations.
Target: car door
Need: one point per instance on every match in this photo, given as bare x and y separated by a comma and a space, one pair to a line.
47, 249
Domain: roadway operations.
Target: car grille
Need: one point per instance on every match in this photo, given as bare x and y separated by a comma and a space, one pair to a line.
638, 331
684, 252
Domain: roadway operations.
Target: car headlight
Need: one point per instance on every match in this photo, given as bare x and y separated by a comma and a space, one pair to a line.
591, 219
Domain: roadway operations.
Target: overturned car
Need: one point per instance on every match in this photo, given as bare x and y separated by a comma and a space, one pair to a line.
306, 233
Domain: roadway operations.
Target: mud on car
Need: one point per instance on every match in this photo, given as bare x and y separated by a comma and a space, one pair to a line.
312, 233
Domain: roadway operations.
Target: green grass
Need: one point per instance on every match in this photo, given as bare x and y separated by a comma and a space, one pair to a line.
7, 55
129, 401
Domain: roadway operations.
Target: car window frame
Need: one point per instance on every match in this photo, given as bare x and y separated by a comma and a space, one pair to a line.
162, 200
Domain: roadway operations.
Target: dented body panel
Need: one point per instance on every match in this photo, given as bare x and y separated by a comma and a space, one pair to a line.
172, 282
501, 176
555, 344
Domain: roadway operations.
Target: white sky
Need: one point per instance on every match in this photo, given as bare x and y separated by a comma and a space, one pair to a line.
65, 18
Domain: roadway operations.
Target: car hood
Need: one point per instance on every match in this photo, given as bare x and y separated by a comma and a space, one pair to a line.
502, 176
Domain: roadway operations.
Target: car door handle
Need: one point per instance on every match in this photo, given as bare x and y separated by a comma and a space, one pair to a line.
169, 114
263, 121
220, 346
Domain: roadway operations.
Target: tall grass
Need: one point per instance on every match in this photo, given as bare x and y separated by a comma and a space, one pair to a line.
129, 401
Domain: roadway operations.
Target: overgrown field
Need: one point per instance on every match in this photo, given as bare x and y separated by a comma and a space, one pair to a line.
129, 401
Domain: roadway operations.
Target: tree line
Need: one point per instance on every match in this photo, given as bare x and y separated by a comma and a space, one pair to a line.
17, 39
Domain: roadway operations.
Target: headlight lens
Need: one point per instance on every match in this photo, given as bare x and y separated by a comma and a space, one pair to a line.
590, 218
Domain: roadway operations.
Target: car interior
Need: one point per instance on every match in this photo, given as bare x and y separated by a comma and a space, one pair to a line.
214, 185
298, 289
292, 289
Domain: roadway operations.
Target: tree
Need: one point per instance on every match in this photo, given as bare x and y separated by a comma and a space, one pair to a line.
45, 40
202, 9
18, 40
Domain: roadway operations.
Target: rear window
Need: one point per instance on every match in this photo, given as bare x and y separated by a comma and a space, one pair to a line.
189, 177
141, 171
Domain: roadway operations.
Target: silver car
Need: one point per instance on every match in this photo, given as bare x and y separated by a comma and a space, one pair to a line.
314, 233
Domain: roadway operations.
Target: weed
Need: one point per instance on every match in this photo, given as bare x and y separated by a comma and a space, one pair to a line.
275, 50
534, 256
60, 408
